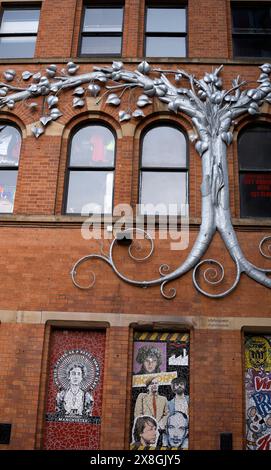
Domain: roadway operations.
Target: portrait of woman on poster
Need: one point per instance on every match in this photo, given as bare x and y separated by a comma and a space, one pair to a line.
150, 359
74, 401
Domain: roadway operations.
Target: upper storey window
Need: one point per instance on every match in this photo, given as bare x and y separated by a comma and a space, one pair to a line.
10, 146
18, 32
90, 171
102, 29
254, 146
165, 30
251, 26
164, 172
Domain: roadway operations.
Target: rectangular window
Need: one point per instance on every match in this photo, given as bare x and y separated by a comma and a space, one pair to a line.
102, 30
165, 31
258, 391
18, 32
251, 30
160, 391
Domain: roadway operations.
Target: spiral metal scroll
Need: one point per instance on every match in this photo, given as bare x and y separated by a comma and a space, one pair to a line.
213, 277
266, 241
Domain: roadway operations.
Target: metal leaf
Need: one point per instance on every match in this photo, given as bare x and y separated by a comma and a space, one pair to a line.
143, 100
117, 65
9, 75
94, 90
123, 116
138, 113
36, 77
55, 114
11, 104
144, 67
45, 120
26, 75
33, 105
37, 131
51, 70
113, 99
79, 91
78, 103
72, 68
52, 101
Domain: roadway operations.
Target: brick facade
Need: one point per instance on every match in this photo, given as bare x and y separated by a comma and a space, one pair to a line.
39, 245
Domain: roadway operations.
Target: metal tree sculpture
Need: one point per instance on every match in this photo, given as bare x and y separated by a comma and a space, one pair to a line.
212, 111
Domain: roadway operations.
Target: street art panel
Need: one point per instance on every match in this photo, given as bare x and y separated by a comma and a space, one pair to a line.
74, 397
258, 392
160, 391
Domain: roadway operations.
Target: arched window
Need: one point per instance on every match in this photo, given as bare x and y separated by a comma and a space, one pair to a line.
164, 173
254, 154
90, 175
10, 147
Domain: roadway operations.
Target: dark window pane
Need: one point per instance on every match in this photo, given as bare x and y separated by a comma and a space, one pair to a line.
166, 189
101, 45
16, 47
252, 46
262, 17
251, 17
165, 47
255, 194
20, 21
103, 20
164, 146
254, 148
10, 146
93, 146
90, 192
166, 20
241, 18
8, 179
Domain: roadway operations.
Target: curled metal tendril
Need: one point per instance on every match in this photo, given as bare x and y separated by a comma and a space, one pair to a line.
137, 246
164, 268
210, 274
265, 244
103, 253
92, 274
171, 292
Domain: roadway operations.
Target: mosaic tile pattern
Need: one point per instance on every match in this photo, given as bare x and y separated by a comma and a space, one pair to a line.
258, 392
75, 385
160, 394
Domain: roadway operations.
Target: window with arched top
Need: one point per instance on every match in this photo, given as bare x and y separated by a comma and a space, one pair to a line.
164, 172
254, 155
10, 147
90, 172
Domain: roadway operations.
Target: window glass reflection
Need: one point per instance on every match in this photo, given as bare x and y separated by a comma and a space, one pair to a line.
165, 190
93, 146
166, 20
164, 146
10, 146
90, 192
8, 180
106, 19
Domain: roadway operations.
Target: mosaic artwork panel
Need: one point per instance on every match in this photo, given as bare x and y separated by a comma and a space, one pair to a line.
75, 387
258, 392
160, 391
